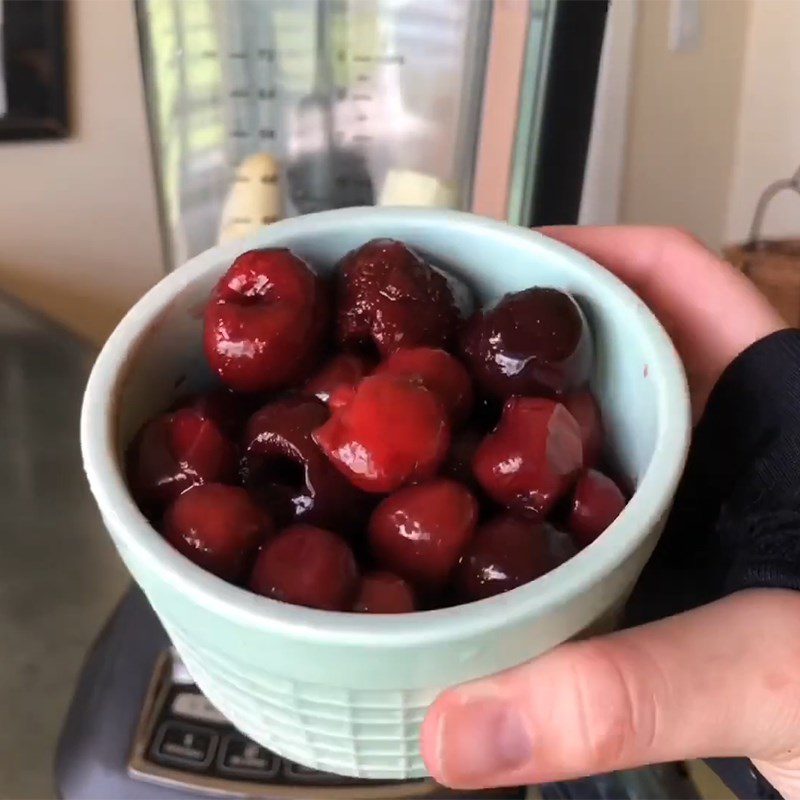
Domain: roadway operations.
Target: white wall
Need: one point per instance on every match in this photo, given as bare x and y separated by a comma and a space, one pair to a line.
605, 160
78, 221
708, 130
684, 110
768, 141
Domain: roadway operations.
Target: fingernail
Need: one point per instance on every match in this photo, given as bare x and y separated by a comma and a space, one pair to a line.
481, 740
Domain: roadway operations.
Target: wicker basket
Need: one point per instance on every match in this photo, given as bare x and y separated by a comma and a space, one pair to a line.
773, 265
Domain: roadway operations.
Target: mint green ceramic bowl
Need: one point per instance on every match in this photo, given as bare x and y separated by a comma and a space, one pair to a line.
344, 692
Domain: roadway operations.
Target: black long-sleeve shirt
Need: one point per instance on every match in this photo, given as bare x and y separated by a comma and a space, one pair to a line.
735, 523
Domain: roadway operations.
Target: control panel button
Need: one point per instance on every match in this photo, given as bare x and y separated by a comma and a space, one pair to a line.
241, 757
195, 706
298, 773
183, 745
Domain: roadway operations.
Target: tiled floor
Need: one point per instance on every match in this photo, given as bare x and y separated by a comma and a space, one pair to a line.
59, 575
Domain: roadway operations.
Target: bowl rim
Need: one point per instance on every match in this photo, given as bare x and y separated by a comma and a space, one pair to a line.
129, 527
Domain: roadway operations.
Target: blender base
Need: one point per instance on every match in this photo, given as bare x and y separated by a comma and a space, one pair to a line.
138, 728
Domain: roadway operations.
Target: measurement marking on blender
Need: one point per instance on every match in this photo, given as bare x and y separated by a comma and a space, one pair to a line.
266, 94
362, 78
240, 93
269, 55
362, 97
385, 59
237, 55
267, 133
239, 134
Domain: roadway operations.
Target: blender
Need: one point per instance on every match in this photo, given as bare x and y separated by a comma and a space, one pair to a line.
260, 110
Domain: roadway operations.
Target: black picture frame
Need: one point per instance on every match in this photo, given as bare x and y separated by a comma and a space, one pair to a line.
33, 75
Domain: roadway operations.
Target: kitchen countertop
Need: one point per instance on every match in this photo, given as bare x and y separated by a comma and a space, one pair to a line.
59, 574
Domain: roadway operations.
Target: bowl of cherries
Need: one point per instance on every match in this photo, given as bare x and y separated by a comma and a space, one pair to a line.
367, 454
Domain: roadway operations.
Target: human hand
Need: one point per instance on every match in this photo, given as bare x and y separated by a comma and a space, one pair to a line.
717, 681
721, 680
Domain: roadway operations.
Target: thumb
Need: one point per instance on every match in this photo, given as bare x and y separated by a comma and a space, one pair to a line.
722, 680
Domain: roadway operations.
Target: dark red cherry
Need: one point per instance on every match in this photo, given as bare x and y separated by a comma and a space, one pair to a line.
419, 532
505, 553
596, 503
390, 297
217, 527
174, 452
307, 566
384, 593
265, 321
533, 457
283, 466
344, 370
229, 410
388, 432
533, 342
440, 372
